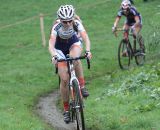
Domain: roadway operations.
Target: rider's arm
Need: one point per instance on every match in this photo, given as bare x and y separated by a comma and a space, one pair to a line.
51, 48
116, 21
52, 40
137, 21
83, 34
119, 15
85, 38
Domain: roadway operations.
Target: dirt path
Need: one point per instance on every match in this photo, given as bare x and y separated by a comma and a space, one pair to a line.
47, 109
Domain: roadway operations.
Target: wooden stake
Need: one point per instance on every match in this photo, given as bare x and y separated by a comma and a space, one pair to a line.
42, 29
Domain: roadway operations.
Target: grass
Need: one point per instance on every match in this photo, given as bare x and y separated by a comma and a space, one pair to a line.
133, 109
26, 71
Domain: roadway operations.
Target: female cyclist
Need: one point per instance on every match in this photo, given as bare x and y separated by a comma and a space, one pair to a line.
63, 41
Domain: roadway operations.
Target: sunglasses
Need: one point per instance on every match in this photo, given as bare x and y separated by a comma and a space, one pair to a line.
65, 22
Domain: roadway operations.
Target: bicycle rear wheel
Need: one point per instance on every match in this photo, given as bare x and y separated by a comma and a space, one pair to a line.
78, 107
123, 55
140, 51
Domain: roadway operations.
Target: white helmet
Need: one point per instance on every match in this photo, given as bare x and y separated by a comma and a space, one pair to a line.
126, 4
65, 12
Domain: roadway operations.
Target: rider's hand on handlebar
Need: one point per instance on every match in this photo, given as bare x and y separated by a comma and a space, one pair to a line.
114, 29
88, 54
54, 60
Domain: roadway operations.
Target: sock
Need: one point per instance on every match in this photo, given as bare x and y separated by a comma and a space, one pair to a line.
66, 106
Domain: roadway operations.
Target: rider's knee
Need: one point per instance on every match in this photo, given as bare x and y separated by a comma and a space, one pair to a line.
75, 51
77, 63
64, 80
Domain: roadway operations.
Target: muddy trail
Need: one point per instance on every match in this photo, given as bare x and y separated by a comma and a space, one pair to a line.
47, 110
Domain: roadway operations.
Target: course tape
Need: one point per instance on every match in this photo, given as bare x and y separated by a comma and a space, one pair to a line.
19, 22
35, 17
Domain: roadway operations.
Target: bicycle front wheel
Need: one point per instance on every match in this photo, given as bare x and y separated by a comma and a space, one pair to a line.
123, 55
140, 51
78, 107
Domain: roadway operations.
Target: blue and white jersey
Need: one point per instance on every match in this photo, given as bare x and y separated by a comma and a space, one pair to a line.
130, 17
65, 33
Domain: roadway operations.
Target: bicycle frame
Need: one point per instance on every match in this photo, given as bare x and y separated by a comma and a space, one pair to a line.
72, 76
71, 71
132, 47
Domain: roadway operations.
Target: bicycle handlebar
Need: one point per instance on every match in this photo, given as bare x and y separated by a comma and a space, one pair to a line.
121, 29
75, 58
71, 58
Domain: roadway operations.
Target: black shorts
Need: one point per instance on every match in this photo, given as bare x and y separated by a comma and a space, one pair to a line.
65, 44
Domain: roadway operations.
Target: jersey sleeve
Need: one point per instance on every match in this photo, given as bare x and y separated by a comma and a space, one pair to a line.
119, 14
79, 25
55, 28
134, 11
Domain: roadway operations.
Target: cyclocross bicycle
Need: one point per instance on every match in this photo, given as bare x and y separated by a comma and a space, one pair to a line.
76, 99
129, 48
